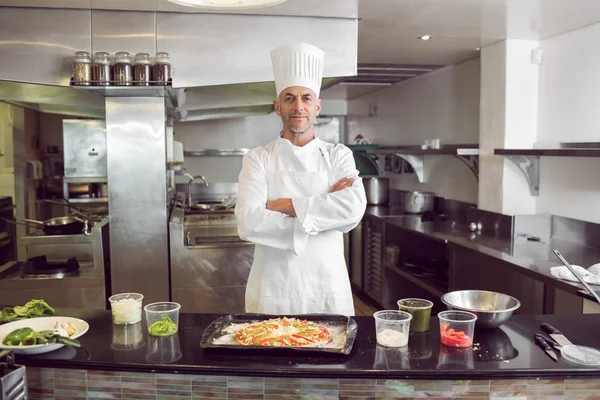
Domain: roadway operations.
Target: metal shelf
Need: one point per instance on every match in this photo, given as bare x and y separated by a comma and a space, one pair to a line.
415, 156
564, 152
528, 160
215, 152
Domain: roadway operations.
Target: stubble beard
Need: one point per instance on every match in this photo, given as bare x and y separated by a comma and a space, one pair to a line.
297, 131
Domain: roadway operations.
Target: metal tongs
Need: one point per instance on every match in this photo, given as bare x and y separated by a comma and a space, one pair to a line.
583, 282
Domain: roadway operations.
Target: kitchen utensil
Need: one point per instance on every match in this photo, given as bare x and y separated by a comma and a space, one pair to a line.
392, 327
157, 312
492, 309
556, 334
55, 226
126, 308
420, 309
218, 335
583, 282
377, 189
41, 324
581, 355
417, 202
457, 328
541, 342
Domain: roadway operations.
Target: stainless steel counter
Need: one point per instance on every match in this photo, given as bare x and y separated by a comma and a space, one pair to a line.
85, 290
210, 264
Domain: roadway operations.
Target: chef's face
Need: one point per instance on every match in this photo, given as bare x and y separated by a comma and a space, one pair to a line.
298, 107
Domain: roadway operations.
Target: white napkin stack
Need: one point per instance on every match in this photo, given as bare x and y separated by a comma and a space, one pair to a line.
590, 275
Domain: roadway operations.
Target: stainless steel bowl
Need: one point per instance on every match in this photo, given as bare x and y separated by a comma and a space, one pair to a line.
492, 308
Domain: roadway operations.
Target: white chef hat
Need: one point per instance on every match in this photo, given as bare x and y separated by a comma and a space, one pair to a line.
298, 64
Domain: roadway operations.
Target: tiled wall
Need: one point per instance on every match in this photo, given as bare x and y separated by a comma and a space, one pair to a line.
63, 384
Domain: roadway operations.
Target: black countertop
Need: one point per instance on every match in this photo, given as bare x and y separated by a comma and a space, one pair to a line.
531, 258
502, 353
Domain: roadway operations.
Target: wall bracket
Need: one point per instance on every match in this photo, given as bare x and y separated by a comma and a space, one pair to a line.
471, 161
417, 162
530, 166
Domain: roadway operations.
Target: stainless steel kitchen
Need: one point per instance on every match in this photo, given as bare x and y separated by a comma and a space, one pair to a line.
259, 199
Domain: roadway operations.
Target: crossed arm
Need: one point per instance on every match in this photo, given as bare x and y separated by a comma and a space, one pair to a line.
284, 223
286, 206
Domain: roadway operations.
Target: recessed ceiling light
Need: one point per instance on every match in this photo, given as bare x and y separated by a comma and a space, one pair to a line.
227, 4
425, 37
478, 48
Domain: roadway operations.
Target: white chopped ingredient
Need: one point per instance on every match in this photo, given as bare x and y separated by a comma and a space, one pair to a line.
392, 338
126, 311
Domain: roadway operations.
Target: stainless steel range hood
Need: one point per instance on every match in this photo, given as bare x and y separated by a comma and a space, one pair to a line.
220, 61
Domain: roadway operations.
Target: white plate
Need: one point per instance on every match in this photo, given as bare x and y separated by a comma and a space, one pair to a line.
40, 324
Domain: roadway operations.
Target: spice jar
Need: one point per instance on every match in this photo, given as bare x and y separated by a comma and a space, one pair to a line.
122, 69
142, 70
161, 70
82, 69
102, 71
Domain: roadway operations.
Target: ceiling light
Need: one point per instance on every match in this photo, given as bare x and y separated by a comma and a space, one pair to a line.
227, 4
478, 48
425, 37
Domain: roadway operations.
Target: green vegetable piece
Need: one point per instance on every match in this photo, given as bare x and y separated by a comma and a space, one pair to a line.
21, 311
41, 339
29, 340
165, 327
18, 337
68, 341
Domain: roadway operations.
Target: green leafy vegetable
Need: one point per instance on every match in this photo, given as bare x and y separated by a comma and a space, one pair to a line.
164, 327
33, 308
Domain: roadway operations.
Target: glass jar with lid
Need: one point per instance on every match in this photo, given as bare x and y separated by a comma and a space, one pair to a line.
122, 69
142, 70
102, 71
161, 70
82, 69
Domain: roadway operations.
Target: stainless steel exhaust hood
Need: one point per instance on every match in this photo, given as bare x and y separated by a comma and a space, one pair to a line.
220, 60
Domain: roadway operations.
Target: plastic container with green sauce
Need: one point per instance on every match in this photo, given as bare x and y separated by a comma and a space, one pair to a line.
420, 309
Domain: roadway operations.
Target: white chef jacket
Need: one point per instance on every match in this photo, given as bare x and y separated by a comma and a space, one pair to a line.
299, 264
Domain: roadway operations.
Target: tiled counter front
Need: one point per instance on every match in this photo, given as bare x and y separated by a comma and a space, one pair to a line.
59, 384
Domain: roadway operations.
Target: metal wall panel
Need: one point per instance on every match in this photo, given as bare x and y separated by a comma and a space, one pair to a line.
37, 45
211, 49
114, 31
137, 196
84, 148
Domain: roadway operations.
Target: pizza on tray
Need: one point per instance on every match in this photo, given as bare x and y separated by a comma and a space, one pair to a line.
283, 332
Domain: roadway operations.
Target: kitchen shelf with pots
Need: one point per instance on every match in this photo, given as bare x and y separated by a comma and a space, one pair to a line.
528, 160
415, 156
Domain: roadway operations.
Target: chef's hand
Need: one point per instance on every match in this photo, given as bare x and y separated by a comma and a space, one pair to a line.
283, 206
342, 184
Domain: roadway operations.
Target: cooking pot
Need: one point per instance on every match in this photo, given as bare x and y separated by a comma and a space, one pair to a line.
417, 202
377, 189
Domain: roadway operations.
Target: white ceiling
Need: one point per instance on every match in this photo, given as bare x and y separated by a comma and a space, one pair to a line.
389, 29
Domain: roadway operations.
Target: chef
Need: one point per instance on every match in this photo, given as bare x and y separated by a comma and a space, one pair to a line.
297, 196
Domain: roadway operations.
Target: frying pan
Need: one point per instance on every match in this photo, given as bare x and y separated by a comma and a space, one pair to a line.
57, 226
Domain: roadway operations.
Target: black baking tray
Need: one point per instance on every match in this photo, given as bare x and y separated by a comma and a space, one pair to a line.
216, 329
